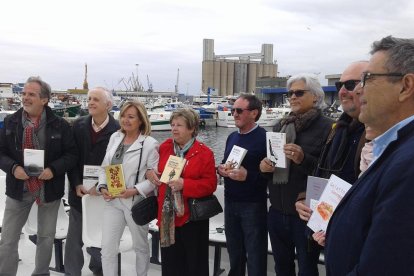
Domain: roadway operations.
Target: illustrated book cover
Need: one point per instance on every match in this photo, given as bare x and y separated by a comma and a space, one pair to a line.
235, 158
173, 168
115, 179
333, 193
34, 161
274, 146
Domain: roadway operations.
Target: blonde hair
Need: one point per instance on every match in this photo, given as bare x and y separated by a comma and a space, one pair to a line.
191, 118
145, 127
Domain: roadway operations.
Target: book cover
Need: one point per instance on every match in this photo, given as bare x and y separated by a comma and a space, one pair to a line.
235, 158
34, 161
115, 179
274, 146
173, 168
314, 189
333, 193
90, 176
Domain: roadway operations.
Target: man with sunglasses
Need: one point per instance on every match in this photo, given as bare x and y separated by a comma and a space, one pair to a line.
245, 192
371, 230
342, 151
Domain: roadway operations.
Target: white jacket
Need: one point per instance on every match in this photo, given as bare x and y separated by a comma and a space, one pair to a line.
150, 157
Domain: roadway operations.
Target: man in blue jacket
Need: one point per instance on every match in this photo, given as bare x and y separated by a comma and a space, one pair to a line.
34, 126
371, 231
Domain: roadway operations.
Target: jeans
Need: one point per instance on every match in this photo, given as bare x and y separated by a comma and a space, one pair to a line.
288, 232
246, 236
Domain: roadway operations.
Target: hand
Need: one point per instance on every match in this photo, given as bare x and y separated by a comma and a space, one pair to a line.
46, 174
106, 195
239, 174
221, 169
304, 211
266, 166
19, 173
176, 185
80, 190
294, 153
92, 191
319, 237
129, 192
152, 176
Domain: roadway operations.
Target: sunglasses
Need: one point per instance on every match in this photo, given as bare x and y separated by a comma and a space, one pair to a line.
238, 110
297, 93
349, 85
367, 76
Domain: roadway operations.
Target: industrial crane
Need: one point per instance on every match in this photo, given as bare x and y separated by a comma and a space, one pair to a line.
149, 85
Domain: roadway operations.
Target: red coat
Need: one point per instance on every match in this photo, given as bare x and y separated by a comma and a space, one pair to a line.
199, 175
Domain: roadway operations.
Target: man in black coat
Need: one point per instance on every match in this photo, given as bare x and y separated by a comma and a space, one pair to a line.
92, 133
34, 126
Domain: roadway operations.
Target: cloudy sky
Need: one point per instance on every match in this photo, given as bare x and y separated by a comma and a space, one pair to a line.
54, 39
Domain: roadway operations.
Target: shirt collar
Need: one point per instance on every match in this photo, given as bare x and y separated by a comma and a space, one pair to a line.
97, 128
256, 125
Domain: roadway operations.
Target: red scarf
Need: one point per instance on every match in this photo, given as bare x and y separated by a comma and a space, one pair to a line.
34, 184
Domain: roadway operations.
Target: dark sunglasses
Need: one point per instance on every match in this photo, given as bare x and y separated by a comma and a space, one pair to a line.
239, 110
367, 76
297, 93
349, 85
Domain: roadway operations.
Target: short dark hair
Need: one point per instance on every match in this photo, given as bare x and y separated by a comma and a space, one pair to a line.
254, 103
45, 90
400, 53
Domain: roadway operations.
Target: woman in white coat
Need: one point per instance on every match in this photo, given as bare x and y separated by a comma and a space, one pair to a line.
126, 147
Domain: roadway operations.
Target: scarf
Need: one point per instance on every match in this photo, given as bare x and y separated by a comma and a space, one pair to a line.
31, 141
292, 124
173, 204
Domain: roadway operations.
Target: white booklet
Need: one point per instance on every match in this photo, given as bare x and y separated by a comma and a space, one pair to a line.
330, 198
314, 189
91, 175
34, 161
274, 146
235, 158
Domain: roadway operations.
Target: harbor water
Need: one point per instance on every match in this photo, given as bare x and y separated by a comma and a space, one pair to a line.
214, 137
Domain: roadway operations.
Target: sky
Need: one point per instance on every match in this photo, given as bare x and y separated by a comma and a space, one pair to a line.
54, 39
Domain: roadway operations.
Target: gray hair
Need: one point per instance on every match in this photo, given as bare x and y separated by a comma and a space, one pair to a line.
313, 85
108, 95
191, 118
45, 90
400, 53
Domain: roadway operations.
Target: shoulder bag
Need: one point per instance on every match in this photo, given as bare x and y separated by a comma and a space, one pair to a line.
145, 210
204, 208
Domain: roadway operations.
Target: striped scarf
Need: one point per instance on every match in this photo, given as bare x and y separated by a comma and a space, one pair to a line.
31, 141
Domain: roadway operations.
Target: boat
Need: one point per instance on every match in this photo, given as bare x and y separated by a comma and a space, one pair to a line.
160, 120
267, 119
62, 110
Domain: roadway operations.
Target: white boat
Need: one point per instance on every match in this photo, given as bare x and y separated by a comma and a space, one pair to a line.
267, 119
160, 120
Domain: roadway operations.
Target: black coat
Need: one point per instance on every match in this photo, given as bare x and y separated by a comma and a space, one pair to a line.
87, 154
60, 153
311, 139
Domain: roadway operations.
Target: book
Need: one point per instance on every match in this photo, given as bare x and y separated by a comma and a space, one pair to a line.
115, 179
333, 193
34, 161
274, 147
90, 176
173, 169
235, 158
314, 189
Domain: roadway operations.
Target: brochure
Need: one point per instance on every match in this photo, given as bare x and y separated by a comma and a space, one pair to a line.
274, 146
314, 189
115, 179
90, 176
34, 161
235, 158
173, 168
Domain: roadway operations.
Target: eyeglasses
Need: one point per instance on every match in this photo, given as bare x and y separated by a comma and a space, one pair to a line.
367, 75
349, 84
239, 110
297, 93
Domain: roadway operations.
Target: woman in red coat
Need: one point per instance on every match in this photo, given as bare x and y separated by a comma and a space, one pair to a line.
184, 243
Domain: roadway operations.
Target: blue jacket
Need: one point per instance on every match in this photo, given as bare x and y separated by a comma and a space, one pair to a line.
60, 153
372, 229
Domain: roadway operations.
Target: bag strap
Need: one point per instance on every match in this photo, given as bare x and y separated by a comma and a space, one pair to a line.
140, 159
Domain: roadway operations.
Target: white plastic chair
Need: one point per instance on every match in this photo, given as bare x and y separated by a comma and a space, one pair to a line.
2, 198
62, 226
92, 217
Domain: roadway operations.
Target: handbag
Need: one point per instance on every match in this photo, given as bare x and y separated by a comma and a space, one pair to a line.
204, 207
145, 210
